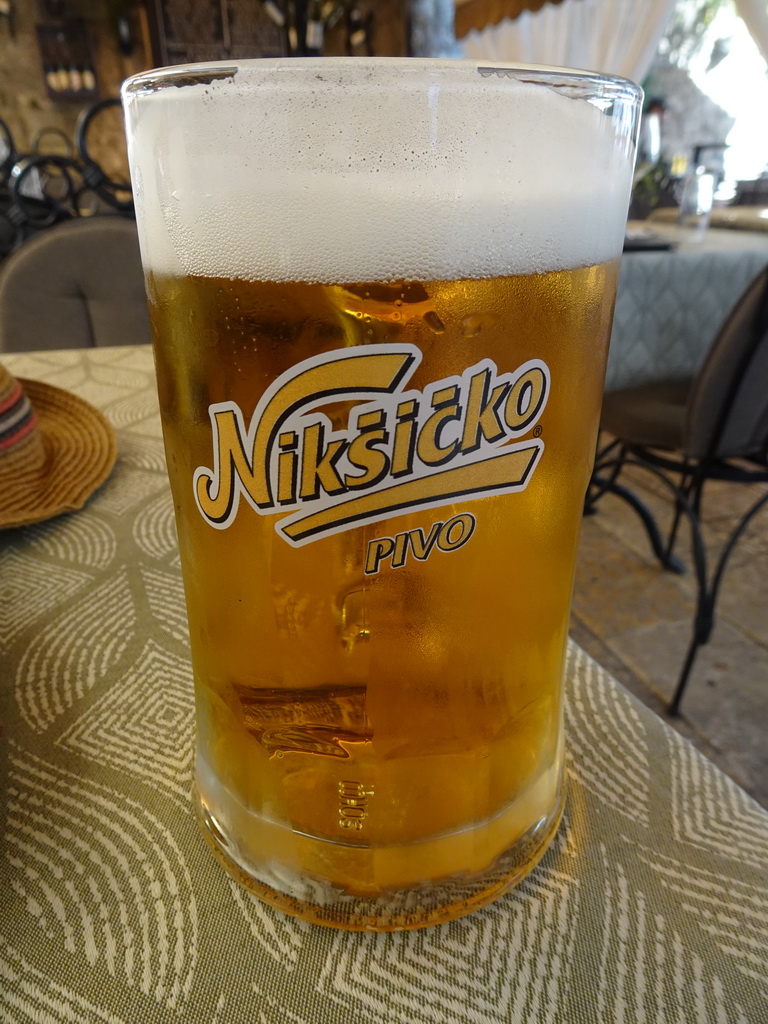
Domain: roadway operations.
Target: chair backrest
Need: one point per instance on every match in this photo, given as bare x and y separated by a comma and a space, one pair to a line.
76, 285
727, 414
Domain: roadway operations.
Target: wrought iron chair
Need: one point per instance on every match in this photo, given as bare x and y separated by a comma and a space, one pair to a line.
712, 427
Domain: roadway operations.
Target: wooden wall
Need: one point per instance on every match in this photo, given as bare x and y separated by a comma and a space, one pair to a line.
25, 104
186, 31
190, 30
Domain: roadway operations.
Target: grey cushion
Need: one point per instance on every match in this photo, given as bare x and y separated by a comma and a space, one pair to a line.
651, 414
76, 285
737, 416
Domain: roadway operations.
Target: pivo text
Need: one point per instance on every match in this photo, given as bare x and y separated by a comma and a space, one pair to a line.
394, 551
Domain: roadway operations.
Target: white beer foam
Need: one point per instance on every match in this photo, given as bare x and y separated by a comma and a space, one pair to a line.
300, 171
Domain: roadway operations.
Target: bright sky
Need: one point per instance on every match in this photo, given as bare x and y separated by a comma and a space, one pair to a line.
739, 84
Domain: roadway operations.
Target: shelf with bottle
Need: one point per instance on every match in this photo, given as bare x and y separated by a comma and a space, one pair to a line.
307, 25
67, 62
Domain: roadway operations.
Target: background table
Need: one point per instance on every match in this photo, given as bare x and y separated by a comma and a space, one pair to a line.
671, 304
650, 906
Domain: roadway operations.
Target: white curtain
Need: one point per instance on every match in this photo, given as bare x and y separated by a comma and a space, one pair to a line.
754, 14
617, 37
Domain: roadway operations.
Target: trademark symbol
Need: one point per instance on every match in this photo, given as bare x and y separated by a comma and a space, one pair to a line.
537, 431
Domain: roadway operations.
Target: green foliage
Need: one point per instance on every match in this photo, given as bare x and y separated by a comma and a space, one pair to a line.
687, 28
654, 189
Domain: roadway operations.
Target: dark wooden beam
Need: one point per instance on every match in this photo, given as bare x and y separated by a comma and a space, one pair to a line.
478, 14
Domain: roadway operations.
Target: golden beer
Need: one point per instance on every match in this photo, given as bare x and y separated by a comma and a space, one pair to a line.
378, 490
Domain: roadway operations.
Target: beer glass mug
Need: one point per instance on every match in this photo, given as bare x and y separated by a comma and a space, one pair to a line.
381, 295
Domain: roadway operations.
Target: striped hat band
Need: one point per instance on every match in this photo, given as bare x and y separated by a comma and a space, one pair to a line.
55, 450
17, 417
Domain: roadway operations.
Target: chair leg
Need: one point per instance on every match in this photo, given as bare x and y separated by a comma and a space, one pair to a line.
690, 483
688, 503
594, 492
667, 560
707, 598
673, 531
704, 619
702, 630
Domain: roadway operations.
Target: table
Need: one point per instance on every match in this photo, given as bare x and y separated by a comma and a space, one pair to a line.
651, 905
671, 304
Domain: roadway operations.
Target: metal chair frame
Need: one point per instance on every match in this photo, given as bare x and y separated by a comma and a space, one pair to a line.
692, 475
687, 495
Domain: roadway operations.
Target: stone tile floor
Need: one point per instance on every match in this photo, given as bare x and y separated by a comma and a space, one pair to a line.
635, 619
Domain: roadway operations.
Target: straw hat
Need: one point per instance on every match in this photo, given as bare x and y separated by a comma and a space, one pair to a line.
55, 450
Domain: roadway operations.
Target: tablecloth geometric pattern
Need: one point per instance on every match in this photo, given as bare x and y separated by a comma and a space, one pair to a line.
650, 906
669, 307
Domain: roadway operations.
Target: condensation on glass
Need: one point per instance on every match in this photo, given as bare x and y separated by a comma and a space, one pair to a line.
381, 294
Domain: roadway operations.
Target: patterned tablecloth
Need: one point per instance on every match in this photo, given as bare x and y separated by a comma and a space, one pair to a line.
651, 905
670, 305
